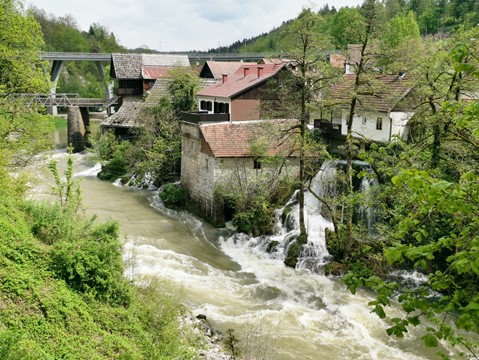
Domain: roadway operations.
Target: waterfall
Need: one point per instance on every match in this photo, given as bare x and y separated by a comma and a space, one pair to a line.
323, 187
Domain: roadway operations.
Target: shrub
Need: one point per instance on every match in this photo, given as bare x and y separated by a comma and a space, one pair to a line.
173, 196
258, 220
93, 264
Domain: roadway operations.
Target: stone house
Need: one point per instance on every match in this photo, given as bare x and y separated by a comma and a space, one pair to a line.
383, 109
221, 154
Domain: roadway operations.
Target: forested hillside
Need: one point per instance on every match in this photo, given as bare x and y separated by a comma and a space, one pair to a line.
62, 34
434, 17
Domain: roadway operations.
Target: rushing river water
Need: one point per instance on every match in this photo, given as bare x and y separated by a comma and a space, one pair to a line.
299, 315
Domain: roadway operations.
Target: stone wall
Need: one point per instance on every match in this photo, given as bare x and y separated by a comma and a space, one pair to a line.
202, 174
197, 172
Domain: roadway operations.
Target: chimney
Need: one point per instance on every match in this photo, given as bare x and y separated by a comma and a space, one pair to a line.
260, 71
246, 71
225, 78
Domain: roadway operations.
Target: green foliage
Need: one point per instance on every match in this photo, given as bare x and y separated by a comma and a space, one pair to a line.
231, 344
401, 28
173, 196
257, 220
24, 133
21, 69
345, 27
117, 155
183, 89
291, 258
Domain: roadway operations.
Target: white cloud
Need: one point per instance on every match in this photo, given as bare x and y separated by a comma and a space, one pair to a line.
181, 24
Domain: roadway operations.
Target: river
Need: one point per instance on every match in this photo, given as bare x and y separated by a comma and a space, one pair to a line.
284, 313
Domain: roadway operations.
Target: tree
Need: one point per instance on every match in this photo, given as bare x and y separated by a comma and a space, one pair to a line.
345, 27
21, 38
298, 91
434, 218
23, 132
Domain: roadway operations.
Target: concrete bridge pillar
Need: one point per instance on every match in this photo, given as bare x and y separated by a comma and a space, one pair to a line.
78, 128
108, 86
54, 76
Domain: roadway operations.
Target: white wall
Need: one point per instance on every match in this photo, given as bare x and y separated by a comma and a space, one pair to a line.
367, 129
365, 126
213, 99
399, 124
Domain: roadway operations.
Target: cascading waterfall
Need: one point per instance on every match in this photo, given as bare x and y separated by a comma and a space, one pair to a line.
314, 254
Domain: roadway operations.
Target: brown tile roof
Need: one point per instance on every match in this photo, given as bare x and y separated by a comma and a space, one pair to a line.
379, 93
234, 139
218, 68
238, 82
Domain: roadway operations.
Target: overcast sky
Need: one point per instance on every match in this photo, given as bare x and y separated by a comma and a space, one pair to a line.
178, 25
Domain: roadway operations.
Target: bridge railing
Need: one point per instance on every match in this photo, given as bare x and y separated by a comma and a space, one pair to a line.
62, 99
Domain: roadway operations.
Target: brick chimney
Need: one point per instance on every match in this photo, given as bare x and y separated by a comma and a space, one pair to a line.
260, 71
245, 71
225, 78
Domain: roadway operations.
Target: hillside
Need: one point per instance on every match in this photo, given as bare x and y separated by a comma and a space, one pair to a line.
433, 17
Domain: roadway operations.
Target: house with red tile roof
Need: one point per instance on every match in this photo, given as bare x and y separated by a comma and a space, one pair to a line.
383, 109
241, 94
216, 155
216, 69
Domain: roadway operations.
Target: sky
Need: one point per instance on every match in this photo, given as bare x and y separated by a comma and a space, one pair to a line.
181, 25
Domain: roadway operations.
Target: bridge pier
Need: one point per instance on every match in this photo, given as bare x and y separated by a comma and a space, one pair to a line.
78, 128
54, 76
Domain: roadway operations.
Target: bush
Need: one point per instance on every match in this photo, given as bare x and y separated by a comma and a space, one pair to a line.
118, 164
256, 221
173, 196
93, 264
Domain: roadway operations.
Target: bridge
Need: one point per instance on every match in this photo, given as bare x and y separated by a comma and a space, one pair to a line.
63, 100
192, 56
78, 114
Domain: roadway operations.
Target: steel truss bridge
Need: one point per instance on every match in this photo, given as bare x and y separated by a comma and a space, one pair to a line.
63, 100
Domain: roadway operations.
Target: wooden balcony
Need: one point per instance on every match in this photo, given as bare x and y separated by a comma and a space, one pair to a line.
328, 127
128, 91
203, 116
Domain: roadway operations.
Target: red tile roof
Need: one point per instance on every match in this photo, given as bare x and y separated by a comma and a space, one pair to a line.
218, 68
237, 82
381, 93
235, 139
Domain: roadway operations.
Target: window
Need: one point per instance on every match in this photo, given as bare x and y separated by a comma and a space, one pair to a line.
203, 105
365, 120
256, 164
379, 123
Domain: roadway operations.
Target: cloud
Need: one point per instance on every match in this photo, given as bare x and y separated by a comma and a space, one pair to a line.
181, 24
